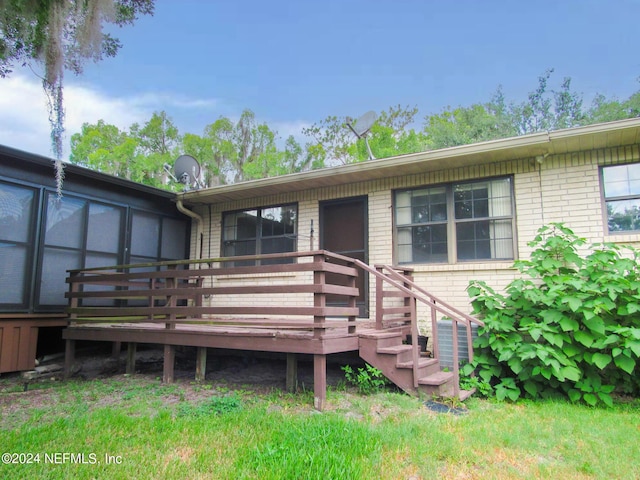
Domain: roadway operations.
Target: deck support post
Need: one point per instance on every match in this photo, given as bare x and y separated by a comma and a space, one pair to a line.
292, 372
319, 381
131, 358
169, 362
116, 348
69, 357
201, 364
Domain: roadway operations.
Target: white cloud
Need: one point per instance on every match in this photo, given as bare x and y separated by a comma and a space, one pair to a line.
169, 100
285, 129
24, 117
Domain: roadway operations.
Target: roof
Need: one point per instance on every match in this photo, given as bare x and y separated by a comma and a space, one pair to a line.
591, 137
82, 172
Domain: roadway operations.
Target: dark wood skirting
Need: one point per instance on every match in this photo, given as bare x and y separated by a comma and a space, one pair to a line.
19, 338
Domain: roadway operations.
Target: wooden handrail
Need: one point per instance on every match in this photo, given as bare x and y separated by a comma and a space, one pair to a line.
417, 293
212, 260
170, 293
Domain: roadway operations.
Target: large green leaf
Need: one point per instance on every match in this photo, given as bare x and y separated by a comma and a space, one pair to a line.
634, 346
606, 399
595, 324
552, 315
574, 395
553, 338
571, 373
515, 364
573, 302
585, 338
601, 360
569, 324
531, 388
625, 363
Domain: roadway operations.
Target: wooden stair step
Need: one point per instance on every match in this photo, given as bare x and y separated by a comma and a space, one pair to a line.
464, 394
438, 378
377, 334
422, 362
394, 350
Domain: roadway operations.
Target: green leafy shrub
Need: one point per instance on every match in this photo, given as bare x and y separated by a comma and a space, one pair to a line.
570, 326
368, 380
483, 387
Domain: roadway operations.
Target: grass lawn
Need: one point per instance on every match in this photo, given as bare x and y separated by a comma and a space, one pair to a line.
135, 427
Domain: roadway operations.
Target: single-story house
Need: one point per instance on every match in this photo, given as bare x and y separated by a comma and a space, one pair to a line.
452, 215
99, 220
354, 258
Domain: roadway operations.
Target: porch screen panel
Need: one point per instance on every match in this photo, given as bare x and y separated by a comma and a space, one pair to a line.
173, 243
145, 237
55, 263
17, 206
105, 228
64, 239
65, 225
103, 245
622, 197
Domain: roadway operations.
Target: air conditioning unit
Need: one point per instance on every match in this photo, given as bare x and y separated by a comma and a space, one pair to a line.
445, 342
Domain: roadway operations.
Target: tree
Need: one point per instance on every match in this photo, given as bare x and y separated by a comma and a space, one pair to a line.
462, 126
138, 155
61, 35
333, 142
201, 148
545, 109
603, 110
330, 140
227, 151
548, 110
245, 150
105, 148
158, 142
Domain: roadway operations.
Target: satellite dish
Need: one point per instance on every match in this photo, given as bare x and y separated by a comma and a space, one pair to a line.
187, 170
361, 128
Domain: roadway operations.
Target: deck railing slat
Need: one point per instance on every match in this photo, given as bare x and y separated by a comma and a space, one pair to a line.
189, 291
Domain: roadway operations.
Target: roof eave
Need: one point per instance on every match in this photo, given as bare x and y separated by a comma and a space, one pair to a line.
514, 148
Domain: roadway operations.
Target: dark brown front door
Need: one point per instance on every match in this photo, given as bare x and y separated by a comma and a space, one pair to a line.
343, 230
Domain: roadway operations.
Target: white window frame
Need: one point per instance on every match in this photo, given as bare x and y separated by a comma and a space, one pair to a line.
501, 218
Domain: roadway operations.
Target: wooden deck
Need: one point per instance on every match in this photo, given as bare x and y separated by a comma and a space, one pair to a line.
290, 341
293, 303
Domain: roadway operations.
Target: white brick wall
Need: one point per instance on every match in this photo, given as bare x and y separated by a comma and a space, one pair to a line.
564, 188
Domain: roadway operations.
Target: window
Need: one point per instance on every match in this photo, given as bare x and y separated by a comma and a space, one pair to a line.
17, 207
622, 197
456, 222
78, 233
259, 231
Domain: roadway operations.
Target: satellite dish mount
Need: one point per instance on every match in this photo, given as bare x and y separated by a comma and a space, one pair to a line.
362, 126
186, 170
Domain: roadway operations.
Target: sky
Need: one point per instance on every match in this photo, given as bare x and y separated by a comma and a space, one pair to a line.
295, 62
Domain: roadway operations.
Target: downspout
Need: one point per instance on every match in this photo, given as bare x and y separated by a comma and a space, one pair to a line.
199, 225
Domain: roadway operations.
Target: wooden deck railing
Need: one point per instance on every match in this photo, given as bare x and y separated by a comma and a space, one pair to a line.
405, 316
185, 292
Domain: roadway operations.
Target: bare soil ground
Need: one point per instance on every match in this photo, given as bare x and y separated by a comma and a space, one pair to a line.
259, 373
